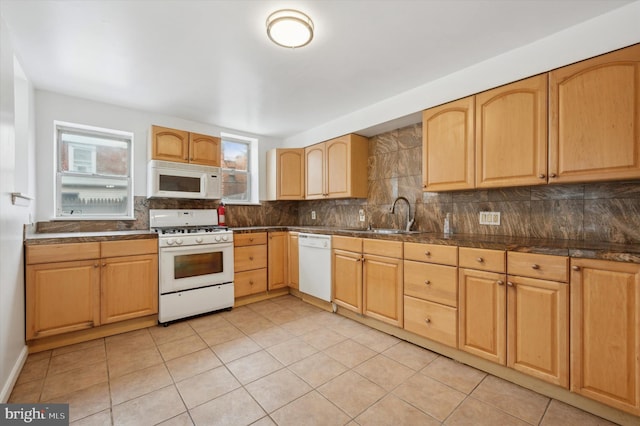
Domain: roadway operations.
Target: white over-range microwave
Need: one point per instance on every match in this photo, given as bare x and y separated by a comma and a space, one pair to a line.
166, 179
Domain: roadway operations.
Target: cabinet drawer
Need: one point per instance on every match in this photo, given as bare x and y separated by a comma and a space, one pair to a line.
431, 320
544, 266
434, 253
48, 253
249, 257
250, 282
482, 259
436, 283
347, 243
382, 248
250, 239
128, 247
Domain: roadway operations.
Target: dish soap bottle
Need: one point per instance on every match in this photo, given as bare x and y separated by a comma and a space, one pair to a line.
447, 224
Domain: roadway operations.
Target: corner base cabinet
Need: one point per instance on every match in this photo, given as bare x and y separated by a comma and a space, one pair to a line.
605, 332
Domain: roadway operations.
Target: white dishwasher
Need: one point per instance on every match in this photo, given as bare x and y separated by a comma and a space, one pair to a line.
315, 265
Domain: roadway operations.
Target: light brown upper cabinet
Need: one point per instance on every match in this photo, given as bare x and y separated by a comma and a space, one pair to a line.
285, 174
337, 168
448, 146
595, 118
511, 134
184, 147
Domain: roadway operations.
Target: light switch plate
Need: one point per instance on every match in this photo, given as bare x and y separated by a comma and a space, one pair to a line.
490, 218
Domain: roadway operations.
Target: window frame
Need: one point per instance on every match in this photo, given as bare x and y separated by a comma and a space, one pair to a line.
253, 179
61, 127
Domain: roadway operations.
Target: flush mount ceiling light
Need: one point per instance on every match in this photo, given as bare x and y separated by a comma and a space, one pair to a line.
289, 28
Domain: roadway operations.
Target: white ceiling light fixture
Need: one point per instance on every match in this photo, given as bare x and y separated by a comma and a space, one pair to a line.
289, 28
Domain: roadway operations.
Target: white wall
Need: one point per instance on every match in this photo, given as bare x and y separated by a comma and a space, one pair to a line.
611, 31
16, 175
53, 106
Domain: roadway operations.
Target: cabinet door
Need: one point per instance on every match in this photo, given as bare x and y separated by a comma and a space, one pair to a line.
382, 289
315, 171
347, 280
290, 174
482, 314
338, 167
511, 134
595, 118
605, 332
448, 146
62, 297
538, 328
277, 267
204, 149
294, 273
129, 287
169, 144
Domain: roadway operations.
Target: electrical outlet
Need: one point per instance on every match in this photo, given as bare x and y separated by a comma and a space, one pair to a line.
313, 215
490, 218
361, 214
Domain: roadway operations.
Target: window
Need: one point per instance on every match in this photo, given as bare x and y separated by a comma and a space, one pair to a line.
93, 172
239, 169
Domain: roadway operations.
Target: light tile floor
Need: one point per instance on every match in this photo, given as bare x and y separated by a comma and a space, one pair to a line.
280, 361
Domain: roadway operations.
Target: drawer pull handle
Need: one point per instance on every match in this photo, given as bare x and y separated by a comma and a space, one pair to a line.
250, 282
535, 266
509, 283
480, 260
500, 282
427, 282
427, 320
427, 253
250, 257
575, 268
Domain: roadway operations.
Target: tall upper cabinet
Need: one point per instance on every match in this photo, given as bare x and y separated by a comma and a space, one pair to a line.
595, 118
511, 134
448, 146
184, 147
285, 174
337, 168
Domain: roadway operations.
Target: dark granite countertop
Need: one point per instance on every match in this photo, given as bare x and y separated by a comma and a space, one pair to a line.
574, 248
32, 238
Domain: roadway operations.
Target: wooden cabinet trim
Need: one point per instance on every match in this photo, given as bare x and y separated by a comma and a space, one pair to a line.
250, 239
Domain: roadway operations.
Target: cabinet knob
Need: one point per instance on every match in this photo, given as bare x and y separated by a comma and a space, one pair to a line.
427, 320
104, 264
427, 282
250, 282
552, 175
542, 176
575, 267
250, 257
509, 283
480, 260
535, 266
500, 282
427, 253
250, 239
95, 265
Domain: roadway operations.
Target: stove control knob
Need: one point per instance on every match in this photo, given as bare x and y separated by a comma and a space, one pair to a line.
198, 240
179, 241
170, 242
217, 238
225, 238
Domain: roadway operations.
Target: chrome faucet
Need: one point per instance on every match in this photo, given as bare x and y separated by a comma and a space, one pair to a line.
409, 220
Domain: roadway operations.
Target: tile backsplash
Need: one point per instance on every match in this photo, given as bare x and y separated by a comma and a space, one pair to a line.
608, 211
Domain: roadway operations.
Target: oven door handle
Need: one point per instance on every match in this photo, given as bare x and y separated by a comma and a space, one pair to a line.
198, 248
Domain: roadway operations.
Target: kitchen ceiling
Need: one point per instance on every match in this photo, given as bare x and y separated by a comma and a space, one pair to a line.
211, 61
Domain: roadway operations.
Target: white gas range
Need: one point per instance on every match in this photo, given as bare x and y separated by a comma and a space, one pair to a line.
195, 263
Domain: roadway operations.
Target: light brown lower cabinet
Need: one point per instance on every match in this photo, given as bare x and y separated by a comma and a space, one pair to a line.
382, 281
347, 272
293, 260
605, 332
277, 260
76, 286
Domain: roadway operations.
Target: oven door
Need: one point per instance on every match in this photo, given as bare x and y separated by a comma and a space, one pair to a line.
186, 268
